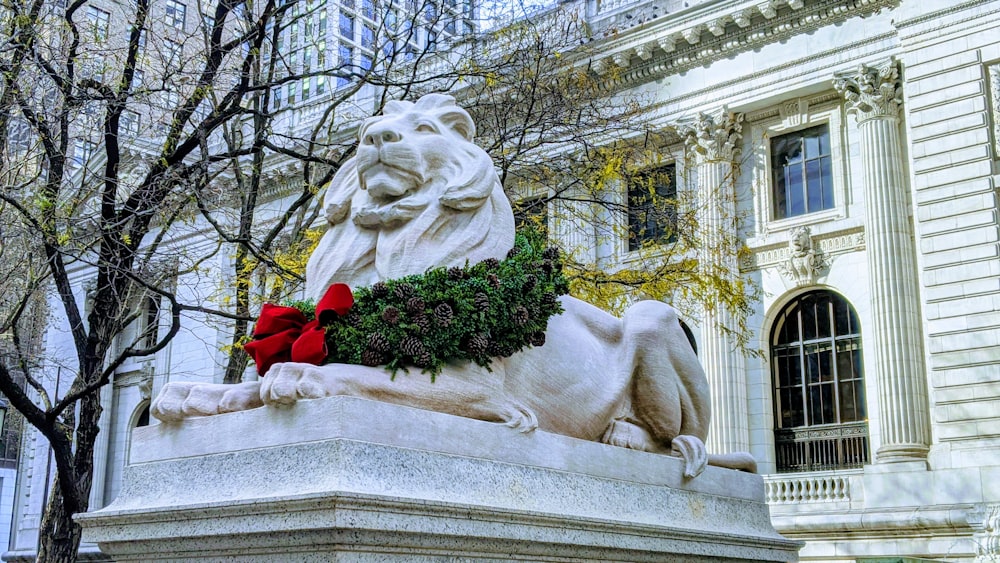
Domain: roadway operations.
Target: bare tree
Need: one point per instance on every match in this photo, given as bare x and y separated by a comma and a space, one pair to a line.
125, 127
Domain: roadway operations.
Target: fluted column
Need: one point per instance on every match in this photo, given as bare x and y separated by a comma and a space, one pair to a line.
714, 141
874, 96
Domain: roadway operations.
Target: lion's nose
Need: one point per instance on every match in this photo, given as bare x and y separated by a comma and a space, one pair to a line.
379, 136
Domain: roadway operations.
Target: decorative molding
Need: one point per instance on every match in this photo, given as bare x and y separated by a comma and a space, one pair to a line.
993, 84
715, 137
683, 44
873, 91
141, 376
827, 245
985, 520
804, 263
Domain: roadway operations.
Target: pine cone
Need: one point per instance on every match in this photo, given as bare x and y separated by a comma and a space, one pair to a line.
549, 299
412, 346
547, 267
477, 344
390, 315
403, 291
521, 316
443, 314
513, 252
353, 319
423, 323
424, 360
482, 302
497, 350
372, 358
529, 282
537, 339
377, 342
491, 263
551, 253
379, 290
415, 305
494, 281
455, 273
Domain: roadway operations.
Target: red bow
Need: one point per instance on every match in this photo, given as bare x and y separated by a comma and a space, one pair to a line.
282, 333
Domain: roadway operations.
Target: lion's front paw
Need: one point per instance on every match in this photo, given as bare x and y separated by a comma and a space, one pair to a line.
287, 383
180, 400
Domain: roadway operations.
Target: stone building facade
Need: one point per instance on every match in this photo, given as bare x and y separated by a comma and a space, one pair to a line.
860, 138
859, 142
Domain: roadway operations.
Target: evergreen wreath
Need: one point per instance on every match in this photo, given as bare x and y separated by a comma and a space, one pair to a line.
478, 312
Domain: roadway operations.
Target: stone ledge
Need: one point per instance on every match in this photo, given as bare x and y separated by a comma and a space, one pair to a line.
372, 481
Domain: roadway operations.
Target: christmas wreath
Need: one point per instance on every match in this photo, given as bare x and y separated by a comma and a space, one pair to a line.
476, 313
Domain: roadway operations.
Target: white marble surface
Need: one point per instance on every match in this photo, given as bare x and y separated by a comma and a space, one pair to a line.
372, 481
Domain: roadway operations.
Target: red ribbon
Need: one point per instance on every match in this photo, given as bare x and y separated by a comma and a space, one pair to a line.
283, 335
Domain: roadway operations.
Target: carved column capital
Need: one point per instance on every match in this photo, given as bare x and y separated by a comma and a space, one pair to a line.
716, 136
872, 91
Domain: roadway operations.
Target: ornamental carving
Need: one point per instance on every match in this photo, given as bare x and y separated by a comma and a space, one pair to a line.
985, 519
804, 262
994, 85
872, 91
715, 137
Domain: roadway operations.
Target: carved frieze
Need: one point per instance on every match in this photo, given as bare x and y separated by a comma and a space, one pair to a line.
826, 246
873, 91
715, 137
805, 262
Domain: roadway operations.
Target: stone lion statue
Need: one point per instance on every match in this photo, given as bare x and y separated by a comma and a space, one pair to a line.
420, 194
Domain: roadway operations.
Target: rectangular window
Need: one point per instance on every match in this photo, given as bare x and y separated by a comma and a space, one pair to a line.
128, 123
652, 206
367, 37
293, 88
531, 213
346, 26
82, 151
802, 172
276, 97
19, 134
171, 55
368, 8
175, 14
346, 55
366, 63
306, 90
99, 22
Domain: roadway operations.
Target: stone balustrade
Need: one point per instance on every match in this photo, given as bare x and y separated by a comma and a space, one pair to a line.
811, 487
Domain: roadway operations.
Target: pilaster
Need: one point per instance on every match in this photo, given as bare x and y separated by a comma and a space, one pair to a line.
713, 139
873, 95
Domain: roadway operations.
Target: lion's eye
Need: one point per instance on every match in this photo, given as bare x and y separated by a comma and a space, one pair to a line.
426, 128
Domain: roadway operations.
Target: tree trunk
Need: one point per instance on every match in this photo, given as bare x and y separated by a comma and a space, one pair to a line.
58, 536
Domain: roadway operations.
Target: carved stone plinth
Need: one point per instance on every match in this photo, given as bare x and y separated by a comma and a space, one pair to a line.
348, 479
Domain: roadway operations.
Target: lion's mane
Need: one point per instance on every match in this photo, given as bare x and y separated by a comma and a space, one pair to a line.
457, 212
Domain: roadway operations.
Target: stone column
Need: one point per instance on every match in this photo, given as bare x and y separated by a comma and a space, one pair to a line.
874, 96
714, 142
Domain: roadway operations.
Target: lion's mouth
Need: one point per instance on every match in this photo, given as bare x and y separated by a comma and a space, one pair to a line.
388, 183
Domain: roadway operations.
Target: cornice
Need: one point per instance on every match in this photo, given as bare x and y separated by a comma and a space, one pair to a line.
673, 43
937, 15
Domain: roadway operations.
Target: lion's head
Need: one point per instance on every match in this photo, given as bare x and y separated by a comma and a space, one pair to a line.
418, 194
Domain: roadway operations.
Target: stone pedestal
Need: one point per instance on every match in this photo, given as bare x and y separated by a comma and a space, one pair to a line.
346, 479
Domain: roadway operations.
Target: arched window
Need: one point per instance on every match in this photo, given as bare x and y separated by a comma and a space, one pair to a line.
820, 417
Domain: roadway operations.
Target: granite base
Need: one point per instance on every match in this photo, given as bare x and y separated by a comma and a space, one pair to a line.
346, 479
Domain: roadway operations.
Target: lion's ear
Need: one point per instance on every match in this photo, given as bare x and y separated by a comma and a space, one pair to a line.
459, 121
